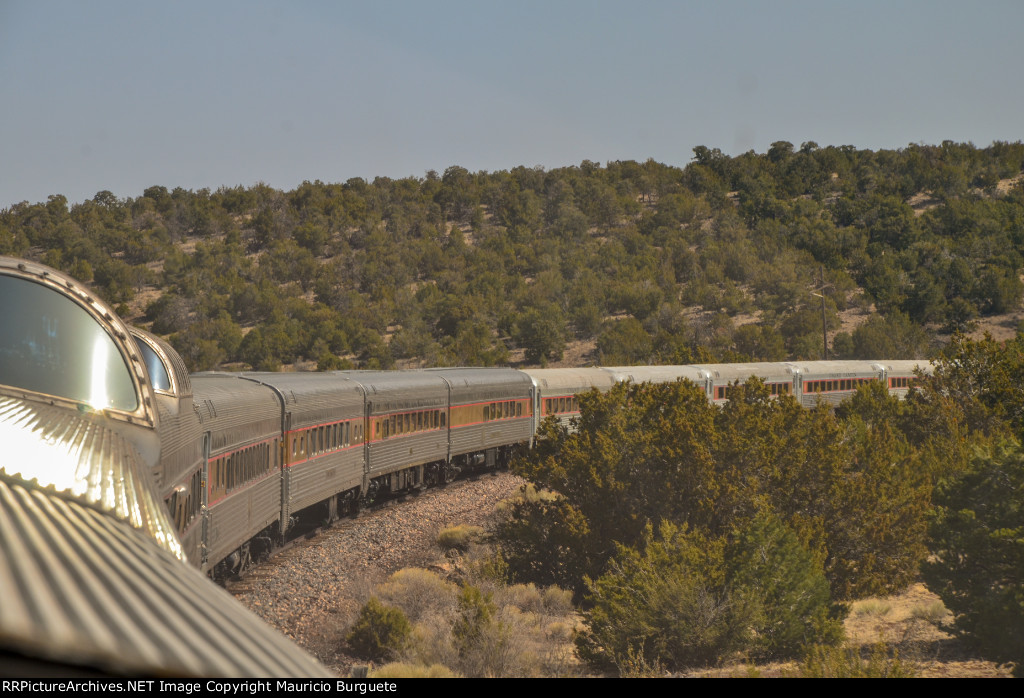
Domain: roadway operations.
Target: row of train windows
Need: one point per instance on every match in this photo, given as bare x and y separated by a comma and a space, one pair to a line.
329, 437
503, 410
841, 384
902, 382
560, 405
722, 391
234, 470
185, 506
408, 423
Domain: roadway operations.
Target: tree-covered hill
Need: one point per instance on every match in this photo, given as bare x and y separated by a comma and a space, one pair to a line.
644, 262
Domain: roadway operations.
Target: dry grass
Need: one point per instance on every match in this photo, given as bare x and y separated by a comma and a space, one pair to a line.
915, 623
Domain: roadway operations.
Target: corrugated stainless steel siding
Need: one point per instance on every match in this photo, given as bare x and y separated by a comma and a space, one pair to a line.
315, 398
405, 450
181, 443
500, 432
322, 476
82, 588
78, 455
471, 385
235, 411
241, 515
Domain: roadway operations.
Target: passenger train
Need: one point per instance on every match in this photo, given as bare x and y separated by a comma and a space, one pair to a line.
121, 467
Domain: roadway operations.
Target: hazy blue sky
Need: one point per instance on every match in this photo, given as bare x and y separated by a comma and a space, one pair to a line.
118, 95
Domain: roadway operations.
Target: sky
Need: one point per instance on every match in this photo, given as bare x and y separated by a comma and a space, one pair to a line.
123, 95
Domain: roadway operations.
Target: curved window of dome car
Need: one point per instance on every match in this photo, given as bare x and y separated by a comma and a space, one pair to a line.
157, 371
50, 344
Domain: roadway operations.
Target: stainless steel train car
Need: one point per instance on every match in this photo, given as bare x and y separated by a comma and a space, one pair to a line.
92, 573
221, 467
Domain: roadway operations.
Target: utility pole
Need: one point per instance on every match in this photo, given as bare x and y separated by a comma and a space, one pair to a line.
824, 323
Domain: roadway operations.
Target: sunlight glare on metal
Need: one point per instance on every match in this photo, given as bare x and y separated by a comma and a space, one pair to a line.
33, 456
98, 397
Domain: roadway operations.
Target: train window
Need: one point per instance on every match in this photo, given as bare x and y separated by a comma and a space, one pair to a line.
158, 375
51, 345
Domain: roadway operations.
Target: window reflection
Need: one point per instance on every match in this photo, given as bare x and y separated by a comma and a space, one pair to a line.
157, 371
49, 344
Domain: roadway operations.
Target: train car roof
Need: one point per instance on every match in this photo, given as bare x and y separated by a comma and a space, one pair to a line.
234, 410
571, 379
741, 372
836, 368
657, 374
908, 366
482, 384
397, 390
313, 398
108, 601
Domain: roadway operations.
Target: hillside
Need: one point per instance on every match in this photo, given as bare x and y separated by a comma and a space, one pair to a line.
617, 264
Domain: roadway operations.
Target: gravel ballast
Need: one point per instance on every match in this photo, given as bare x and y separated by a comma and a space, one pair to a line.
311, 590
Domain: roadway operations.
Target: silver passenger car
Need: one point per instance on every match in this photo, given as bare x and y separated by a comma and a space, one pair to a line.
491, 411
406, 428
556, 390
322, 429
241, 423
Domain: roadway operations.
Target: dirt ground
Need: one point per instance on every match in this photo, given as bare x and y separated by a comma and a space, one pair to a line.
911, 622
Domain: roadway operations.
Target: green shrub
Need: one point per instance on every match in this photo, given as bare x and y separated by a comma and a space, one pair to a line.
480, 638
689, 600
667, 607
786, 588
379, 632
977, 545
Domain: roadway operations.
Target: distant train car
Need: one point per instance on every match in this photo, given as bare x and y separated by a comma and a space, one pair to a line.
662, 374
556, 390
322, 441
902, 375
406, 430
241, 423
780, 378
833, 381
491, 414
